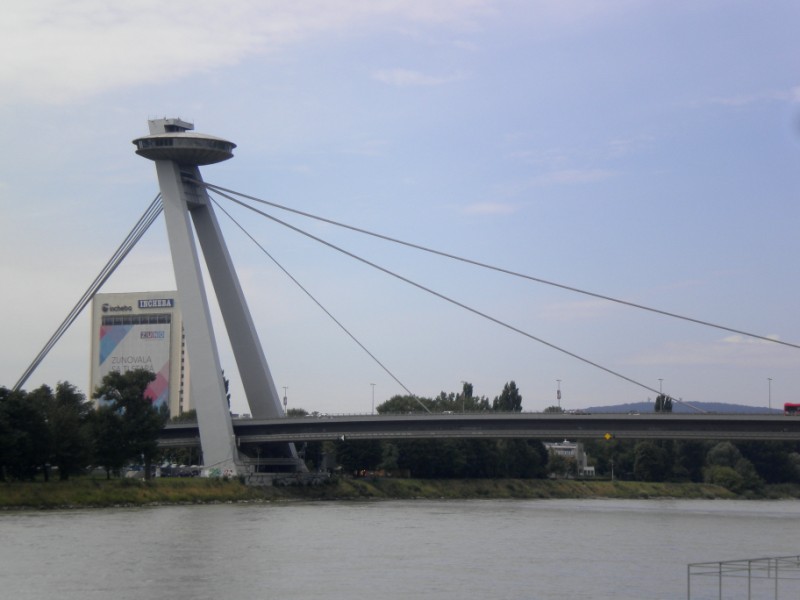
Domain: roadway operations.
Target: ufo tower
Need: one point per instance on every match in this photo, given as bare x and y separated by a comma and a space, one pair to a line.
178, 152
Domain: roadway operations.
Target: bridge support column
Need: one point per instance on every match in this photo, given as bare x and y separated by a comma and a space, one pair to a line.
177, 154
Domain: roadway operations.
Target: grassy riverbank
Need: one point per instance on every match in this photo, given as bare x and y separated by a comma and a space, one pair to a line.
125, 492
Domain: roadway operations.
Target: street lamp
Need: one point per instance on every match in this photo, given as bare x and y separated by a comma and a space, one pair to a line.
463, 395
284, 397
558, 393
769, 392
660, 381
373, 398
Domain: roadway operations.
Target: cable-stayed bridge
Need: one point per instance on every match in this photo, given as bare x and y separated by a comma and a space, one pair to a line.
189, 212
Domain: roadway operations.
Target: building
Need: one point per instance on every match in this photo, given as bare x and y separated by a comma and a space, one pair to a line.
142, 330
573, 450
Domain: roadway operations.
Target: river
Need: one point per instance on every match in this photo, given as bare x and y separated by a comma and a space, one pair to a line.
444, 550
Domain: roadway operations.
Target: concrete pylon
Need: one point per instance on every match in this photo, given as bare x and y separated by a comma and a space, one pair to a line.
178, 152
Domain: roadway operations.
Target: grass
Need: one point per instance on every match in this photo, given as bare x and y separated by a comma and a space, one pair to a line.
88, 492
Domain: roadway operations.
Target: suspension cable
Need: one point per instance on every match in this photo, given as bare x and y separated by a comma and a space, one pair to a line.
476, 263
325, 310
122, 251
451, 300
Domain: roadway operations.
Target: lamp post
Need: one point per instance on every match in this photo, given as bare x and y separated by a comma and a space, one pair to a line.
284, 397
373, 398
463, 396
660, 381
769, 392
558, 393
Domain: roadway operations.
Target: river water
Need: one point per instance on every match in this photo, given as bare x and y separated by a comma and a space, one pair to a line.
445, 550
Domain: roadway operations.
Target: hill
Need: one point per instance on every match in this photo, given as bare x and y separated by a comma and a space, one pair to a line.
677, 407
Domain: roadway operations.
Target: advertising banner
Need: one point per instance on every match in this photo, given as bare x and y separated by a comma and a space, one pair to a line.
127, 347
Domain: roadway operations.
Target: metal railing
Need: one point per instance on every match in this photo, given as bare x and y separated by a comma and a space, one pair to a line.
748, 578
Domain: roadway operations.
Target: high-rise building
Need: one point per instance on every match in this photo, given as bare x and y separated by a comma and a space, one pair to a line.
142, 330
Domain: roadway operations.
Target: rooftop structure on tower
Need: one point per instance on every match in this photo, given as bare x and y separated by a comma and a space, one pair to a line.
172, 139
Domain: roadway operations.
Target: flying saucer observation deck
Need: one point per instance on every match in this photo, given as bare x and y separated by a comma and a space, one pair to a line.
185, 148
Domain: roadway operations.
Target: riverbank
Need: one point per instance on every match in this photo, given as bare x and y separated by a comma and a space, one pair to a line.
89, 493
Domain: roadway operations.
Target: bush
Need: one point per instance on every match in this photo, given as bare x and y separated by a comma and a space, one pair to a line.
726, 477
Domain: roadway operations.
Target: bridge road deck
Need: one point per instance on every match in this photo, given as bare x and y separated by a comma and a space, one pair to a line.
500, 425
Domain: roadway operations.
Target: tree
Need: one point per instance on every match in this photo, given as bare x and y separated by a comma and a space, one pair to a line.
663, 404
466, 395
6, 433
651, 462
509, 400
474, 459
560, 466
467, 402
109, 452
723, 460
390, 454
24, 442
403, 404
689, 459
726, 477
794, 460
68, 415
359, 455
723, 454
522, 458
187, 416
770, 459
140, 421
430, 458
553, 410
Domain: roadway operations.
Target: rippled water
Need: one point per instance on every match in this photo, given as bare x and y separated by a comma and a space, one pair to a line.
389, 550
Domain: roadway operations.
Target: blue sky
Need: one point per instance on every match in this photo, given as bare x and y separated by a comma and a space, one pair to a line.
643, 150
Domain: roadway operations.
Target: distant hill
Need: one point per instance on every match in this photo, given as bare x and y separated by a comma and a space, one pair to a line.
677, 407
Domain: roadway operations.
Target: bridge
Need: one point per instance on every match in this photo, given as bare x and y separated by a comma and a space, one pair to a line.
228, 444
547, 426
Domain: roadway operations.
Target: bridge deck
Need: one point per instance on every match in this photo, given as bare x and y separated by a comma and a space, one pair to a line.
501, 425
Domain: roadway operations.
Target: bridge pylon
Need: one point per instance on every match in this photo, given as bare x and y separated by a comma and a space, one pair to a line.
178, 152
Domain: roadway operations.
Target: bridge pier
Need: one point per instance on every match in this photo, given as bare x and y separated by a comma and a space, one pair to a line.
178, 153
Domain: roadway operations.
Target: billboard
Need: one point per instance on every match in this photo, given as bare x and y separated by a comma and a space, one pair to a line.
127, 347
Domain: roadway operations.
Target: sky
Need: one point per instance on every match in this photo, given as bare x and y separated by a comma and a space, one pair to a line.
647, 151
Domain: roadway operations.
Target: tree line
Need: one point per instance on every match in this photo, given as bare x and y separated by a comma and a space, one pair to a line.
437, 458
61, 430
735, 465
740, 466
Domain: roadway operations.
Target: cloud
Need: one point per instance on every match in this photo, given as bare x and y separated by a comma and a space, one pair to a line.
742, 339
58, 52
409, 78
55, 52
